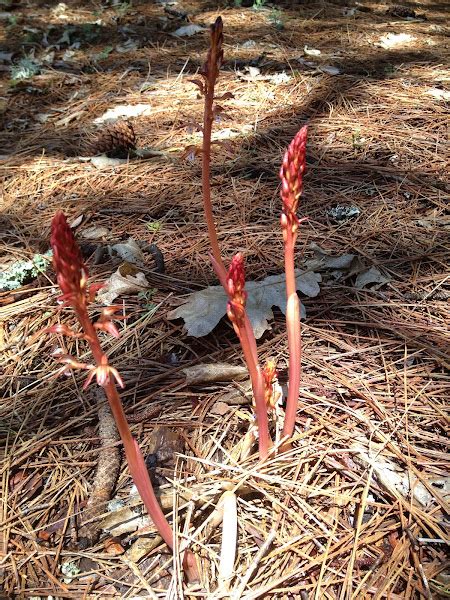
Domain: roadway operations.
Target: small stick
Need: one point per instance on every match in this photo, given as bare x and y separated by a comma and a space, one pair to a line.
106, 473
254, 564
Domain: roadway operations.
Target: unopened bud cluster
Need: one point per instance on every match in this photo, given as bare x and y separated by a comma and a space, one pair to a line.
270, 378
291, 175
236, 292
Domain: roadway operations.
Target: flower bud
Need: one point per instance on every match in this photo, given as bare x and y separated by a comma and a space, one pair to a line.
291, 175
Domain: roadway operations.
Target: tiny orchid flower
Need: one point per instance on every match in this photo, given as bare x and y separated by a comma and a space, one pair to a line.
102, 372
105, 323
61, 329
70, 363
93, 289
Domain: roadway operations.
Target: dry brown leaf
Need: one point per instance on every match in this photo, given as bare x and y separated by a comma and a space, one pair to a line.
113, 547
119, 284
220, 408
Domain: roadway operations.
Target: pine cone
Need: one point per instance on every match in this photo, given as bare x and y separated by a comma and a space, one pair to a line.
115, 139
401, 11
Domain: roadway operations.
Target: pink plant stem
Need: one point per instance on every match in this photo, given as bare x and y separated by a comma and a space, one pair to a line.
291, 175
206, 172
220, 271
210, 72
246, 334
135, 460
294, 337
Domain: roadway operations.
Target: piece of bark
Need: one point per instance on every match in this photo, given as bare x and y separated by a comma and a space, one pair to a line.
243, 395
105, 475
199, 493
208, 372
162, 448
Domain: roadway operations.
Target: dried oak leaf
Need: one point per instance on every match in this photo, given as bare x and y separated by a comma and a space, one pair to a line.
369, 277
188, 30
203, 310
209, 372
25, 484
121, 282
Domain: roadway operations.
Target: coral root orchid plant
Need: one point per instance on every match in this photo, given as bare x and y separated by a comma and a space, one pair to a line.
233, 281
237, 296
72, 278
209, 73
291, 174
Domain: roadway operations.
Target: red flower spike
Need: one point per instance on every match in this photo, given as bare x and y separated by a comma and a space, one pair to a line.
236, 277
291, 175
233, 283
68, 262
214, 58
72, 276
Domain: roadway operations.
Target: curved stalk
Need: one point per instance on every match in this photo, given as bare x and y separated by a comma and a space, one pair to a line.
257, 380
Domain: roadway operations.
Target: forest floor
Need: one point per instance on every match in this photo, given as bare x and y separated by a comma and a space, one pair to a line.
357, 508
